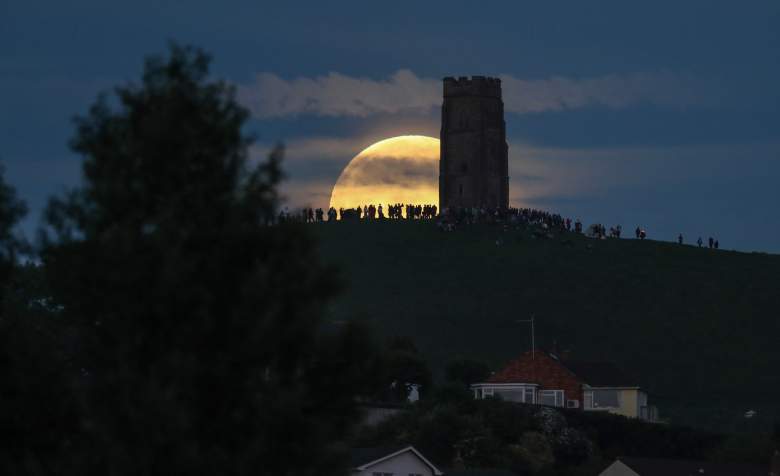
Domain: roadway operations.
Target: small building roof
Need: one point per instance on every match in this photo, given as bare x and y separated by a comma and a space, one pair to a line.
362, 458
530, 368
671, 467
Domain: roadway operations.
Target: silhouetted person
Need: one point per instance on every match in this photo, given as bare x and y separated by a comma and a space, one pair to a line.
700, 242
712, 242
717, 245
638, 232
680, 239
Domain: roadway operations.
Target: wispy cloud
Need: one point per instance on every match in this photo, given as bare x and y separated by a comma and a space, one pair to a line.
335, 94
340, 149
339, 95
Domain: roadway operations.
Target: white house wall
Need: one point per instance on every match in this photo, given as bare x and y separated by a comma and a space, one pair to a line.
618, 469
403, 464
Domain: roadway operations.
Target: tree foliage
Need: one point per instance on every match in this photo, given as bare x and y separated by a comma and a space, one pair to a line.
466, 372
12, 209
397, 368
198, 323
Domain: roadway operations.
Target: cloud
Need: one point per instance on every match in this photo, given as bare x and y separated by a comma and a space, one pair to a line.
315, 149
338, 95
572, 173
404, 172
612, 91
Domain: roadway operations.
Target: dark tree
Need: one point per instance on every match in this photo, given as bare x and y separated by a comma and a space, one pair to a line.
199, 322
38, 413
398, 367
467, 372
11, 211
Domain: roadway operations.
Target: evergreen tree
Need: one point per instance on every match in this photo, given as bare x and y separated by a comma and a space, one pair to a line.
198, 321
11, 211
38, 414
466, 372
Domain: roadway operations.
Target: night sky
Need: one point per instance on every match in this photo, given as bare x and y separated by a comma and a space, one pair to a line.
659, 114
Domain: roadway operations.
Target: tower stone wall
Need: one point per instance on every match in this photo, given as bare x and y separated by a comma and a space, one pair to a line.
474, 163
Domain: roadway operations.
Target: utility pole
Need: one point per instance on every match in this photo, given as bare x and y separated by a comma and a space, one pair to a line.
533, 339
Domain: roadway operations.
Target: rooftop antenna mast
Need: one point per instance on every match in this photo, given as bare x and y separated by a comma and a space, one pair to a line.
533, 341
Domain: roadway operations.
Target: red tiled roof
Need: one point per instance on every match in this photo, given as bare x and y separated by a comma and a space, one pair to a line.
532, 368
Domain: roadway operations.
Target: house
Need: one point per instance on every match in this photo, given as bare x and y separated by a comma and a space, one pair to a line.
399, 461
542, 378
670, 467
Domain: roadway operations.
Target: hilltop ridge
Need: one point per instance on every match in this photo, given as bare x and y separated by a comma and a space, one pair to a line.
698, 326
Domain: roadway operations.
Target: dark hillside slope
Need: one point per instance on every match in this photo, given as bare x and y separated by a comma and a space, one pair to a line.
699, 327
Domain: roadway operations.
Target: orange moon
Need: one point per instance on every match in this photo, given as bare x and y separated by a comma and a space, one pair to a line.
403, 169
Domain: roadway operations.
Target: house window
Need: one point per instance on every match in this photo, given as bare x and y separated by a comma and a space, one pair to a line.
511, 395
552, 398
572, 404
514, 393
606, 399
529, 395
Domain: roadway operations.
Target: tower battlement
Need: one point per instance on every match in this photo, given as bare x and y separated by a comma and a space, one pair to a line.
474, 86
474, 157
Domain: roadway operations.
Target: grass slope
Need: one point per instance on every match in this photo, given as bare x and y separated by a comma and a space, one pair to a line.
700, 327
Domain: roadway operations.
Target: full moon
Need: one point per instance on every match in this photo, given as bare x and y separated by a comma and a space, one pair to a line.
403, 169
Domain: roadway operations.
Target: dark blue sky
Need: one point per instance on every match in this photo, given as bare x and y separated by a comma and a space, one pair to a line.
664, 114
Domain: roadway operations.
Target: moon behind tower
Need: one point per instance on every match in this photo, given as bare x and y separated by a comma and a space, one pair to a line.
403, 169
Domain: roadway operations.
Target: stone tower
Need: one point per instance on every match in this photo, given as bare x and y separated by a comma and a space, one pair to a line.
474, 164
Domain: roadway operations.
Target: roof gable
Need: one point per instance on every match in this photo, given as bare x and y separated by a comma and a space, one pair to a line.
536, 367
363, 458
532, 367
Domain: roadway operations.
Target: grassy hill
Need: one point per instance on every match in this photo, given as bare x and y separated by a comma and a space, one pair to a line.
700, 327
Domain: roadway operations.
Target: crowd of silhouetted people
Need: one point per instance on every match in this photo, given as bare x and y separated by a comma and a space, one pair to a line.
451, 219
397, 211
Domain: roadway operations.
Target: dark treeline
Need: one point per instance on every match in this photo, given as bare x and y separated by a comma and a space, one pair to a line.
163, 327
